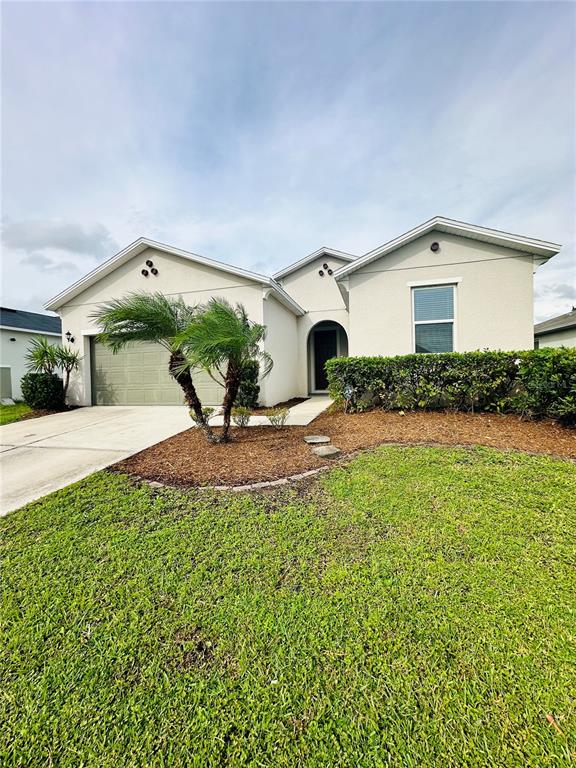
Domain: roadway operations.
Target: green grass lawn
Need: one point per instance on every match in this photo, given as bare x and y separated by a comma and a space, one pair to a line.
10, 413
416, 608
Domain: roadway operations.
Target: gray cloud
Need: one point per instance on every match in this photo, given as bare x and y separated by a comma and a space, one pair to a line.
46, 264
34, 235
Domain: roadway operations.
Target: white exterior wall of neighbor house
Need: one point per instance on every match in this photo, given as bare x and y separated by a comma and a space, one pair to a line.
493, 307
563, 337
13, 353
281, 343
322, 299
195, 282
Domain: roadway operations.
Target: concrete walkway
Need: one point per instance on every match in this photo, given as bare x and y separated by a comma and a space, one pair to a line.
38, 456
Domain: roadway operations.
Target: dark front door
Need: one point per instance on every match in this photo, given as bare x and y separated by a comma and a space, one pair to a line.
325, 347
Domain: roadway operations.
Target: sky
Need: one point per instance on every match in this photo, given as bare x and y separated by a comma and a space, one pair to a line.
255, 133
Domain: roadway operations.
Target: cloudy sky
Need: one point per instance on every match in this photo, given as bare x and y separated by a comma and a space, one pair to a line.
255, 133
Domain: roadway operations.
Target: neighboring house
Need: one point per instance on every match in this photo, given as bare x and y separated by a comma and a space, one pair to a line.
557, 332
17, 328
442, 286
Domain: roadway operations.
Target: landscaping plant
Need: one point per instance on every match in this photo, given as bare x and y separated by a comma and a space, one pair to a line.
535, 383
241, 416
277, 417
43, 391
249, 389
140, 317
43, 359
221, 340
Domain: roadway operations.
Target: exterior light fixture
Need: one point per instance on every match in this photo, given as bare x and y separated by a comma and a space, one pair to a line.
435, 247
12, 339
149, 263
145, 272
154, 271
69, 337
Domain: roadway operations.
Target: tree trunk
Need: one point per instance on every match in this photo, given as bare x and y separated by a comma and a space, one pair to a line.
184, 379
232, 383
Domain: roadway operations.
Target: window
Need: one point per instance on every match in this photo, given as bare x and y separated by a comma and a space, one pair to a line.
433, 308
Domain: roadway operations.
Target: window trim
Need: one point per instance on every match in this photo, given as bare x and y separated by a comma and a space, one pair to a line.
447, 283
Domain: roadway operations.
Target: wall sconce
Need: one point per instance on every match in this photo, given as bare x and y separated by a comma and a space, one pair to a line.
12, 339
69, 337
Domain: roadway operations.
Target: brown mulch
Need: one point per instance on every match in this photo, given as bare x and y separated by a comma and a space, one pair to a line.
259, 454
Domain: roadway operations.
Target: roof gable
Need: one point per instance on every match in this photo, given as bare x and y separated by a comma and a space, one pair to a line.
541, 250
141, 245
312, 257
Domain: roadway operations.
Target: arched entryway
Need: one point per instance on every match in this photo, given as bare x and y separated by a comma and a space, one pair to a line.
326, 339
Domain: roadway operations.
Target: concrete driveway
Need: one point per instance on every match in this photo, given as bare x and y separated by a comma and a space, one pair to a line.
39, 456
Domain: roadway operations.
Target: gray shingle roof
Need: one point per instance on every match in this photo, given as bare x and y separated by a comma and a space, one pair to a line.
557, 323
31, 321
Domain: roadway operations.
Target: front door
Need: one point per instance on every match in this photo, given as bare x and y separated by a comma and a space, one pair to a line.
325, 347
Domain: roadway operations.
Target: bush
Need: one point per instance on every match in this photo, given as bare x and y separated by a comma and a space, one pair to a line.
44, 391
536, 383
249, 390
207, 412
277, 417
241, 416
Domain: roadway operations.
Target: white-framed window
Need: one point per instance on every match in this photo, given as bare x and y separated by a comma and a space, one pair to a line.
433, 317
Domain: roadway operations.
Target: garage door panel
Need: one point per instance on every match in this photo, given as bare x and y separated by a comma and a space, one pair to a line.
138, 375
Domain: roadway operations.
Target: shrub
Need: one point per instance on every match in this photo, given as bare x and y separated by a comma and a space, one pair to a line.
249, 389
241, 416
207, 413
535, 383
277, 417
43, 391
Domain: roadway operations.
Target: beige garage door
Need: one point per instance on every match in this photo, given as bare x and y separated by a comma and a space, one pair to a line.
138, 375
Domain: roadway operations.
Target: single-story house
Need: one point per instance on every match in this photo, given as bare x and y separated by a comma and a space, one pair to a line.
442, 286
17, 329
557, 332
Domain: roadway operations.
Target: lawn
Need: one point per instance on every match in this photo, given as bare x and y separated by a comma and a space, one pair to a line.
10, 413
414, 608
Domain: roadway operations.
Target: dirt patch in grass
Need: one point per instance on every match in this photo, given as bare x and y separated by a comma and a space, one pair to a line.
260, 454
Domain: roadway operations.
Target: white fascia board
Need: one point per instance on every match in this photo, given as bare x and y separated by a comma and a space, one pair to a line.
134, 249
433, 281
539, 248
285, 298
30, 330
312, 257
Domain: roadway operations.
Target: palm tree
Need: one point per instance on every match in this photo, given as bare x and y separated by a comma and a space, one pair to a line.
221, 340
41, 355
68, 360
140, 317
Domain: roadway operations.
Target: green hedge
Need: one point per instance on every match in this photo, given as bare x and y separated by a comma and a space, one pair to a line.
537, 383
43, 391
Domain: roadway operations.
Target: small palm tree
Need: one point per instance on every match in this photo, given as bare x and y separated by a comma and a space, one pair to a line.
41, 355
67, 360
162, 319
221, 340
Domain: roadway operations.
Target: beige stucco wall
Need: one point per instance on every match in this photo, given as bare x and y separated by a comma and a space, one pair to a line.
196, 283
282, 345
13, 354
322, 299
561, 338
493, 296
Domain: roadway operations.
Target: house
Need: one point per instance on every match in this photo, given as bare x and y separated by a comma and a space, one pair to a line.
557, 332
444, 285
17, 328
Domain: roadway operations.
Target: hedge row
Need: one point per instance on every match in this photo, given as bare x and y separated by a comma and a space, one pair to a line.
538, 383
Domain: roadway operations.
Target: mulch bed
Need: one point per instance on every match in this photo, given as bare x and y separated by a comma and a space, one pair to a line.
259, 454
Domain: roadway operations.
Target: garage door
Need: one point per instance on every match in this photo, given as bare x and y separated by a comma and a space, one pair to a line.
138, 375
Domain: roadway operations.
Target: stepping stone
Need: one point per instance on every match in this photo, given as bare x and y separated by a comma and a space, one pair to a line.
316, 439
326, 451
